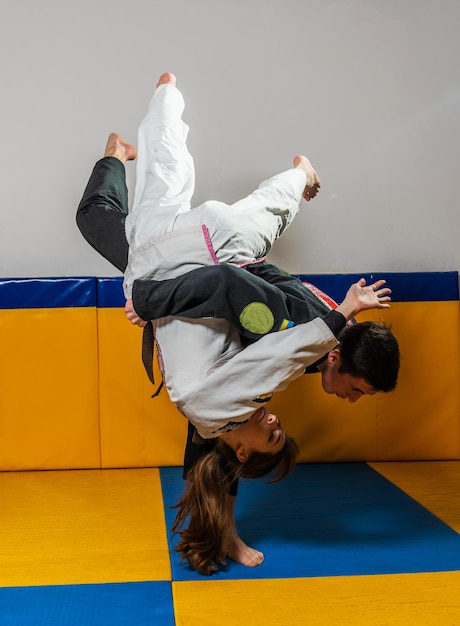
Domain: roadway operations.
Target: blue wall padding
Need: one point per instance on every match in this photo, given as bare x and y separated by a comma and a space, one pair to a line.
110, 292
405, 287
40, 293
25, 293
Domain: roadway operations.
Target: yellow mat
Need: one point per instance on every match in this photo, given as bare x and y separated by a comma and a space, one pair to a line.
434, 484
399, 600
89, 526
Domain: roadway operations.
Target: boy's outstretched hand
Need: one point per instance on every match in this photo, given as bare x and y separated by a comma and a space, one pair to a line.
362, 297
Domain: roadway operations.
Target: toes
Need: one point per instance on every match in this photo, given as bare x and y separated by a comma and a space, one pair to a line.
166, 78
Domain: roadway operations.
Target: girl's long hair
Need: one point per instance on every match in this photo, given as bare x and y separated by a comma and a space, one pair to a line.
201, 516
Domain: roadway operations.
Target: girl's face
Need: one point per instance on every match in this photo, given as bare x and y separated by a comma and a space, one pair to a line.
263, 433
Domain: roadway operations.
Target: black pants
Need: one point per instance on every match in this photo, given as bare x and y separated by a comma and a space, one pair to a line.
103, 209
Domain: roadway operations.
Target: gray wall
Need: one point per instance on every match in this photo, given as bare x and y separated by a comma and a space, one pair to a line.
369, 89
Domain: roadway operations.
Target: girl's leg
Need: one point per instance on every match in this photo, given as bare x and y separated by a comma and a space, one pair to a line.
103, 208
268, 211
236, 549
245, 231
165, 174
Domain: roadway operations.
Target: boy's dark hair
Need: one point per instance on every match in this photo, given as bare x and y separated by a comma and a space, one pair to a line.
369, 350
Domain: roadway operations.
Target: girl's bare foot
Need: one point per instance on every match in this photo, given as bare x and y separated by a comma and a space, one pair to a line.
119, 148
234, 546
242, 553
313, 182
167, 79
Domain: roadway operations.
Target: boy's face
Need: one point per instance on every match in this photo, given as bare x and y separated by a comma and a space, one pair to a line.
344, 386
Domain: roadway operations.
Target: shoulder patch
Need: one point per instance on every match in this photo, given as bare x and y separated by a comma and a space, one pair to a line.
265, 398
286, 324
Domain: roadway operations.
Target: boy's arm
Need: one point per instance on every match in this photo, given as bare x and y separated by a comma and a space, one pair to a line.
234, 388
270, 364
250, 303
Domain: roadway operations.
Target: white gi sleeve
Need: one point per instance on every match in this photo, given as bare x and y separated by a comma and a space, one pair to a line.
229, 393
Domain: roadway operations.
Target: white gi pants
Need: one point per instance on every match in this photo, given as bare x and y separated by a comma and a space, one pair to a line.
167, 237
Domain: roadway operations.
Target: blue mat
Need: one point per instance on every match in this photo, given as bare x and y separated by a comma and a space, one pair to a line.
328, 520
139, 604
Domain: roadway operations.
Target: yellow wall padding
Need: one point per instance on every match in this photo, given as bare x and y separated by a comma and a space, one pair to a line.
49, 416
435, 485
419, 420
82, 527
391, 600
136, 430
74, 395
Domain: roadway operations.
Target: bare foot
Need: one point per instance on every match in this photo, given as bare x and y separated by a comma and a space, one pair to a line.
235, 548
313, 182
119, 148
242, 553
167, 79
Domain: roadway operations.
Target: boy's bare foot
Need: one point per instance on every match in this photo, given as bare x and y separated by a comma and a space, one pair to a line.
242, 553
167, 79
119, 148
313, 182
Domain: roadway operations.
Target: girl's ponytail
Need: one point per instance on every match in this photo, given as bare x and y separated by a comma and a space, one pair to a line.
203, 504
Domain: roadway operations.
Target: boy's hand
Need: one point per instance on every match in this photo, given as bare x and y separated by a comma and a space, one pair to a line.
361, 297
132, 315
